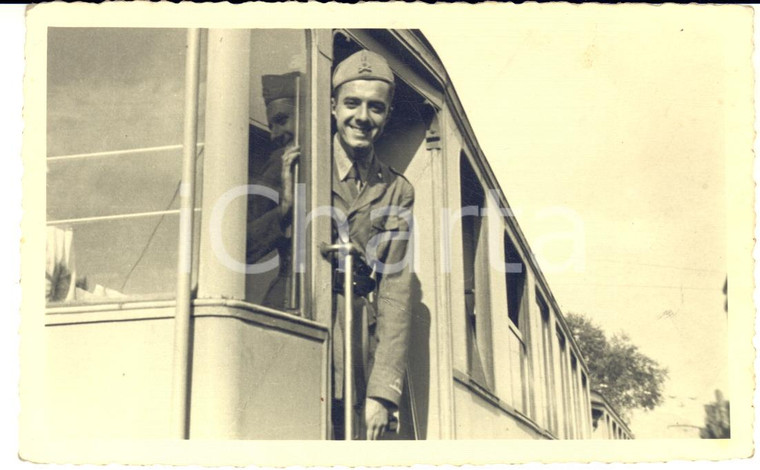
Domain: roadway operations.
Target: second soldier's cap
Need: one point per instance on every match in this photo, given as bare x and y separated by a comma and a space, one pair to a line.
275, 87
363, 65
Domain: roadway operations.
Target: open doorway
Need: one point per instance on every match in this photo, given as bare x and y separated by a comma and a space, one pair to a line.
403, 147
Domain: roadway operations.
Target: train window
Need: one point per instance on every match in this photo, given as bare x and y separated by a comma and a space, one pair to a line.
586, 403
609, 426
565, 382
548, 363
575, 393
277, 119
477, 312
515, 279
114, 135
595, 415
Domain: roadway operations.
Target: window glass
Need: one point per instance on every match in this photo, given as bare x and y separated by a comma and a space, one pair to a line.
115, 111
278, 94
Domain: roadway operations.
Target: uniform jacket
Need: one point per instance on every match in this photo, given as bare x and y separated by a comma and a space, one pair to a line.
265, 231
388, 316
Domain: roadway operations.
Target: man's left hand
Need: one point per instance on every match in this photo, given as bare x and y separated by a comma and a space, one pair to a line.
376, 416
289, 157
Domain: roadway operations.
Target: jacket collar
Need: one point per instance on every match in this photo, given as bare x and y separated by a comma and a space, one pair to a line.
376, 183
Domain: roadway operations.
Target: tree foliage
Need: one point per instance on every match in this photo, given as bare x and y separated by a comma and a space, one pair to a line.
624, 375
717, 419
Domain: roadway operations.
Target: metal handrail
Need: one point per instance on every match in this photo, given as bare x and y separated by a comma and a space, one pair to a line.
295, 237
181, 358
348, 250
113, 153
101, 218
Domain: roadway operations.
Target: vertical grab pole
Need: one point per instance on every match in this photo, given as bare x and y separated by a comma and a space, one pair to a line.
349, 250
181, 358
295, 236
348, 350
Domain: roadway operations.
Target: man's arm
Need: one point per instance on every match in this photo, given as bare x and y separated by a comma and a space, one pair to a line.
266, 231
393, 323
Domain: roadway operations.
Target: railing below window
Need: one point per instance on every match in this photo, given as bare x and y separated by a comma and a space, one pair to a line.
114, 153
123, 246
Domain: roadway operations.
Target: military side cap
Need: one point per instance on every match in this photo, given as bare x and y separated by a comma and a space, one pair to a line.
275, 87
363, 65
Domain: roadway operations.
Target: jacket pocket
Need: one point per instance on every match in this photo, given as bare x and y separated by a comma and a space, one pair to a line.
391, 223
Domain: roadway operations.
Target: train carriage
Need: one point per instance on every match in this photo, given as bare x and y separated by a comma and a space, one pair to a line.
155, 327
607, 423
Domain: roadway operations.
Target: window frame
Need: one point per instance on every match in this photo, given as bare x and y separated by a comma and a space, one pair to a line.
307, 136
521, 330
307, 130
478, 337
547, 351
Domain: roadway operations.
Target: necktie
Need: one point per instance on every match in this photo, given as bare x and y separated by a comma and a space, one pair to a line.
354, 181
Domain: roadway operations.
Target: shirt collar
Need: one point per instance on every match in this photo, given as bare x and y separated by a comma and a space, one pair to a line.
343, 162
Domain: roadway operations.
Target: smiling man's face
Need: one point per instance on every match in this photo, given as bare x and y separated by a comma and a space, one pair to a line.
281, 122
361, 109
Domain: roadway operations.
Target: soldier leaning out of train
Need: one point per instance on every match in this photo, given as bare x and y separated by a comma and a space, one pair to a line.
376, 202
268, 223
372, 208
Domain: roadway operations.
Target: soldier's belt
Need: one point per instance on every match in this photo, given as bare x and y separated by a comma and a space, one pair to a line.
363, 283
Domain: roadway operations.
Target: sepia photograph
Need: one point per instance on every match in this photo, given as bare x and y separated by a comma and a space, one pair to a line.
504, 230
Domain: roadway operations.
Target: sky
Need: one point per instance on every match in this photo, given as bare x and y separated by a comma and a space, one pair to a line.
615, 124
606, 135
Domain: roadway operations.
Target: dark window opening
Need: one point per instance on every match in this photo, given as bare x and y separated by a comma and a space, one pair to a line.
515, 278
595, 415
